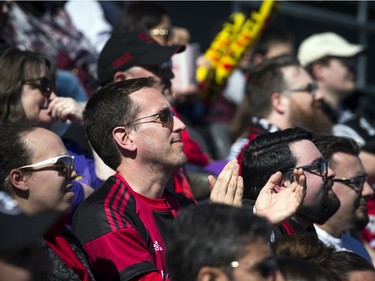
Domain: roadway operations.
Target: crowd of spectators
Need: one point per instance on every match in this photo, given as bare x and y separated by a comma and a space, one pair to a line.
104, 175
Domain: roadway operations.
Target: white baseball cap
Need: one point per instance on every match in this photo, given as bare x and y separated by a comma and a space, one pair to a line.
320, 45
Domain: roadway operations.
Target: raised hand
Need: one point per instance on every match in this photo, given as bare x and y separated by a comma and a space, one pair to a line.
65, 109
278, 200
228, 187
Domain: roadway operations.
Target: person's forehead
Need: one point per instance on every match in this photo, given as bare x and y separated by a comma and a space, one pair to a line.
149, 98
296, 76
346, 165
305, 152
44, 144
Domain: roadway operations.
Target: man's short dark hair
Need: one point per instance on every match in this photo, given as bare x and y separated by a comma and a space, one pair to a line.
107, 109
266, 155
329, 145
14, 151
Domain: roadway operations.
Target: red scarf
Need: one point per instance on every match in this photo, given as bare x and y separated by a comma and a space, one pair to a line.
56, 241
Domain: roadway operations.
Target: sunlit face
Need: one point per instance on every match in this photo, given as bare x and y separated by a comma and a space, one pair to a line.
35, 105
337, 77
304, 107
320, 201
353, 203
157, 144
48, 189
249, 267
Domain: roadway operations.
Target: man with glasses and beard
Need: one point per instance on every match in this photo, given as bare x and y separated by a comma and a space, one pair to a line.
280, 94
285, 151
352, 189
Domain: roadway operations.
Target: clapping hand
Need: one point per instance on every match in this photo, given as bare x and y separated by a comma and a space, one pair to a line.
278, 200
228, 187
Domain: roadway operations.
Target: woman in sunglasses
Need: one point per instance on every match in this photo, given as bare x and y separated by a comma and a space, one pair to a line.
37, 172
27, 93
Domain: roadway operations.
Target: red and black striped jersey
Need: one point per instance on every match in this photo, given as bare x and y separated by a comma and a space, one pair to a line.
123, 231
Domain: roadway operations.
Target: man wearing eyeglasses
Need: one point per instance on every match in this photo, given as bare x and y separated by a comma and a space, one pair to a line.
280, 94
285, 151
352, 189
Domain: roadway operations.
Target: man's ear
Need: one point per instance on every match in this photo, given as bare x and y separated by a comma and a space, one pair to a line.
120, 76
18, 180
278, 103
123, 138
210, 273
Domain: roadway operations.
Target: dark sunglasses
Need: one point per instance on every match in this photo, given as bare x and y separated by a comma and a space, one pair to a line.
320, 168
355, 183
164, 116
44, 84
309, 88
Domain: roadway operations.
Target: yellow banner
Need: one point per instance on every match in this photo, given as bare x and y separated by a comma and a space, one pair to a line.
237, 35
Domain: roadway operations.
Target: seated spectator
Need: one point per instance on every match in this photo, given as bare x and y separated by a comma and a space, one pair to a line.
330, 59
37, 172
219, 242
135, 55
351, 187
285, 151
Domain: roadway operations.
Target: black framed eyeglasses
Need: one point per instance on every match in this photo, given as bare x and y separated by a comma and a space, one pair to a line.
44, 84
165, 116
355, 183
309, 88
320, 168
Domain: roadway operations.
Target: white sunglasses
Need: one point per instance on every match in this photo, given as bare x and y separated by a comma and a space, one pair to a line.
63, 164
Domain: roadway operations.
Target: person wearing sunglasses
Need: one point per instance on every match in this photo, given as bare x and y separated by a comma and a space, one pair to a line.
129, 55
37, 172
352, 189
286, 151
